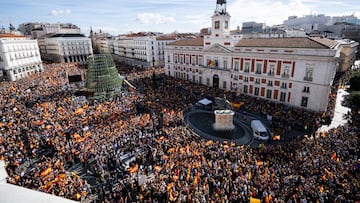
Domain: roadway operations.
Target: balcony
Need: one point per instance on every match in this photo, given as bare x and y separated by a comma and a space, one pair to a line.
271, 74
285, 75
308, 78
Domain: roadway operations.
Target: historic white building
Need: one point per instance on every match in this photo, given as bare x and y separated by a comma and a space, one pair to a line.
65, 48
142, 49
37, 30
295, 71
19, 57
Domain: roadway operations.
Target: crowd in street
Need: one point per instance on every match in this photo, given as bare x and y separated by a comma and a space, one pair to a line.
45, 131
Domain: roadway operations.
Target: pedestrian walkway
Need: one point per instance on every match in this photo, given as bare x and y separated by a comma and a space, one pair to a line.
339, 112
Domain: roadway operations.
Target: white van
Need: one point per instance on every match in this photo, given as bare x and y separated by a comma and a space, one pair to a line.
259, 130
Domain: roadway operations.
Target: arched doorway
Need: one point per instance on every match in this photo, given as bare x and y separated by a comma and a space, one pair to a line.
216, 81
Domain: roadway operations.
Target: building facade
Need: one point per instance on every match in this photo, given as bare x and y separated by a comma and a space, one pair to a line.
348, 51
65, 48
37, 30
142, 49
19, 57
253, 27
101, 42
295, 71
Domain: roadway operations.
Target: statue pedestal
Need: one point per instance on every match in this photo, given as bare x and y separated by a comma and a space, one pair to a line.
224, 120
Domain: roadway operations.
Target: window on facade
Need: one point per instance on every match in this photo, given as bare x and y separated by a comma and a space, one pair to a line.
236, 66
282, 96
225, 65
216, 63
245, 89
284, 85
181, 59
304, 101
247, 67
200, 61
200, 79
217, 24
224, 84
268, 94
271, 69
168, 59
226, 24
257, 81
187, 60
176, 59
193, 78
306, 89
270, 83
286, 71
193, 60
258, 68
207, 81
246, 79
308, 74
256, 91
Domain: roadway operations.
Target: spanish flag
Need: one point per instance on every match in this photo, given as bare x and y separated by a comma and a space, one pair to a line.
134, 169
260, 163
46, 171
254, 200
276, 137
45, 105
197, 179
79, 111
157, 168
209, 142
333, 156
169, 186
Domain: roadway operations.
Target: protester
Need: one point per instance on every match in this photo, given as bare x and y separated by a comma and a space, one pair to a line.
54, 142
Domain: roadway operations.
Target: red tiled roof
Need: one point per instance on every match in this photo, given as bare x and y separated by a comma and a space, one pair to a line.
166, 38
140, 34
325, 41
189, 42
9, 35
289, 42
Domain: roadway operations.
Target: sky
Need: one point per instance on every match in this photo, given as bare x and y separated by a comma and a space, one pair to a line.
125, 16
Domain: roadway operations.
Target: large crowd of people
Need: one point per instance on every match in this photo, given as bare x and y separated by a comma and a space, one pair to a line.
47, 134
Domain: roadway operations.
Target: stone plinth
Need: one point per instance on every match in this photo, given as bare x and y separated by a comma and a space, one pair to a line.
224, 120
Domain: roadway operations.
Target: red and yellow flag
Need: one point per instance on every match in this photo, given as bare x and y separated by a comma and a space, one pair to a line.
46, 171
134, 169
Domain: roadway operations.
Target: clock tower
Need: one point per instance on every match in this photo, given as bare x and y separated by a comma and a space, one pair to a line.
220, 26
